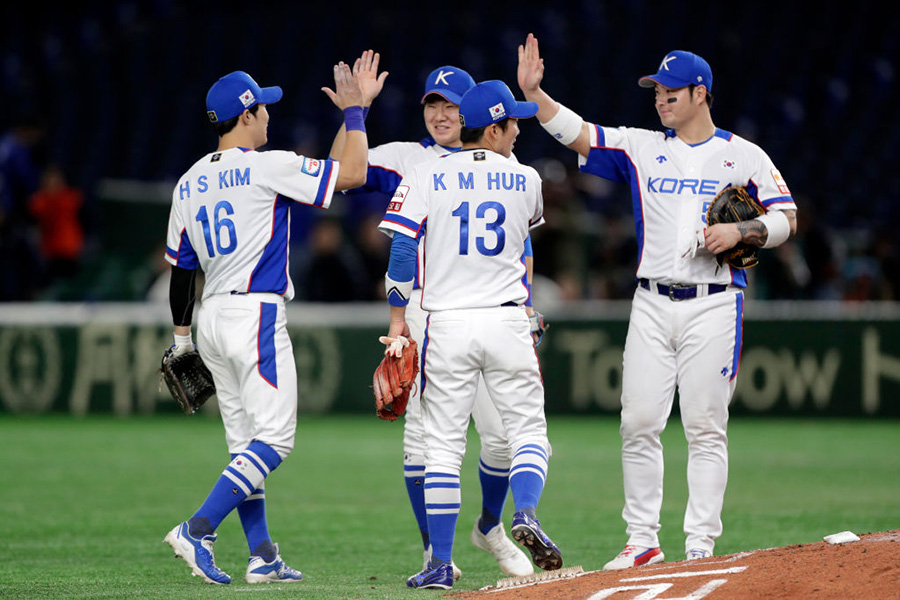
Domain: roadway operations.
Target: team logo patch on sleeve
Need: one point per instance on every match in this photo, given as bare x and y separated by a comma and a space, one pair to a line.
399, 196
780, 182
311, 166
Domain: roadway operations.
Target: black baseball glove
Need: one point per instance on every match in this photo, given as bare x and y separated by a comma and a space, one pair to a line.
188, 379
731, 205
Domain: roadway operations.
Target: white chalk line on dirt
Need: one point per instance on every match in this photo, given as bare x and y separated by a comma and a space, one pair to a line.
653, 590
732, 570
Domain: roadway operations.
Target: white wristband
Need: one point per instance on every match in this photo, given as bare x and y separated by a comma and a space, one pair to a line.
397, 292
778, 227
565, 126
183, 340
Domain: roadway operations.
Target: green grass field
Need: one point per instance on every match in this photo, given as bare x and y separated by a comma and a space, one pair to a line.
86, 502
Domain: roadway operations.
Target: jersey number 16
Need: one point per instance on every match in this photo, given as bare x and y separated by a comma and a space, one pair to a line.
220, 224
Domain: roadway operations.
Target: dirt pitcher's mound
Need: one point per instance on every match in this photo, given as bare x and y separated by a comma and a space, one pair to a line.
869, 568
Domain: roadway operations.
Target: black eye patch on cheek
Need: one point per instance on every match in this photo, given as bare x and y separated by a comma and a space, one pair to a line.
672, 100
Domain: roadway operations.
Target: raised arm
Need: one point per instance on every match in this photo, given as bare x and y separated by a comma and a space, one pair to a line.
347, 96
371, 82
564, 125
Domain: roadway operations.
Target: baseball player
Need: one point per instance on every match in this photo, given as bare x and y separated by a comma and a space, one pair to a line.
230, 218
388, 163
687, 314
479, 207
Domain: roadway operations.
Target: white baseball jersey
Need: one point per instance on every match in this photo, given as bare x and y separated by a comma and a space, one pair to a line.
673, 183
230, 216
479, 207
388, 164
694, 344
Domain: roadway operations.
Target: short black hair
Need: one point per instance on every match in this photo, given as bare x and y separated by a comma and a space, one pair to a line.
226, 126
709, 96
467, 136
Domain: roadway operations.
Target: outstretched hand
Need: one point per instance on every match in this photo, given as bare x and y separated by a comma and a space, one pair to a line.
366, 70
347, 91
531, 65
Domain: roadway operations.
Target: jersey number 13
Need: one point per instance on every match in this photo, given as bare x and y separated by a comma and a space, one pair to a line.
497, 213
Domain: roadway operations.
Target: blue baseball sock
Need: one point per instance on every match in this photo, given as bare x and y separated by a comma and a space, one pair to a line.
442, 501
527, 475
414, 477
494, 488
244, 474
252, 512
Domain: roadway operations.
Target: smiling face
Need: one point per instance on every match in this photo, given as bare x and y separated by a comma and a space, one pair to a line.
678, 107
442, 121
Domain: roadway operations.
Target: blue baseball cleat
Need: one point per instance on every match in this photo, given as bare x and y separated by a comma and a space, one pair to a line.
197, 553
436, 578
527, 531
260, 571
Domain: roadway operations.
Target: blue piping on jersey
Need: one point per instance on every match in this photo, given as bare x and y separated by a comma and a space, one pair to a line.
265, 342
429, 141
738, 334
424, 356
185, 257
324, 183
270, 273
719, 133
409, 224
615, 164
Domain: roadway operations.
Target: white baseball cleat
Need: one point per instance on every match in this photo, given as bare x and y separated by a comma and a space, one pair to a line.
427, 559
635, 556
495, 542
697, 553
260, 571
197, 553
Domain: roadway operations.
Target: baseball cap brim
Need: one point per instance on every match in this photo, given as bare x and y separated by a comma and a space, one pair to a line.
443, 93
673, 83
524, 110
270, 95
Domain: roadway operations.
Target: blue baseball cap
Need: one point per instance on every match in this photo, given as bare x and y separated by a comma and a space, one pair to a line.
680, 69
489, 102
448, 82
233, 94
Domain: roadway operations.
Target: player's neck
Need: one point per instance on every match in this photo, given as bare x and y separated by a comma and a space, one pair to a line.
235, 139
696, 130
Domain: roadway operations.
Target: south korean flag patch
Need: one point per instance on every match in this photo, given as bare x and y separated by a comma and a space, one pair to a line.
497, 112
247, 99
311, 166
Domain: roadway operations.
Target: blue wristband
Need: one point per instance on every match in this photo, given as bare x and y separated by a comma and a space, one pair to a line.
354, 118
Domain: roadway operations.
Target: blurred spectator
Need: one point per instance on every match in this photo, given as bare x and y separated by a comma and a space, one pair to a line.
56, 207
329, 268
20, 263
375, 251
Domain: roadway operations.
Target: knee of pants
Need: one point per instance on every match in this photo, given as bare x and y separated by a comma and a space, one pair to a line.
496, 458
705, 432
495, 451
443, 462
704, 424
638, 421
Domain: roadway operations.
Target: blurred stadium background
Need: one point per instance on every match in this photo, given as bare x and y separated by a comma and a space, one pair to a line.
108, 97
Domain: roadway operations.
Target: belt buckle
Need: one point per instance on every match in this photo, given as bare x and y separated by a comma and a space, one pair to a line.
677, 286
